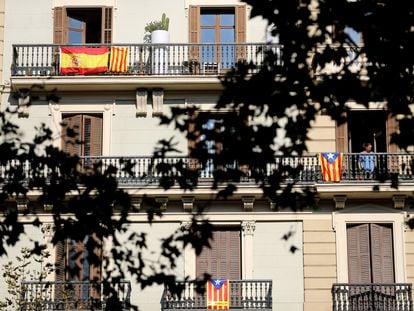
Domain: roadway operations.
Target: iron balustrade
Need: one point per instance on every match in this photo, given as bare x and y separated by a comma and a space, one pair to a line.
152, 59
372, 297
146, 169
244, 294
73, 295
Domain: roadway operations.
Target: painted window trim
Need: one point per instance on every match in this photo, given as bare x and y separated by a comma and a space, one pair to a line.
340, 222
107, 110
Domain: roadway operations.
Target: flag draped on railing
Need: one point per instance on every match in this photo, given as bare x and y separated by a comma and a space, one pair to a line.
331, 165
83, 60
218, 295
119, 59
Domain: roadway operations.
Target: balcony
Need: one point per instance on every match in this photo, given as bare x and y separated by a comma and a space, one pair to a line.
370, 297
244, 294
73, 296
145, 169
180, 62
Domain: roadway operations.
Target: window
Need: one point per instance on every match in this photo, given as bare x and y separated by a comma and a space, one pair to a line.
73, 265
222, 260
82, 25
370, 253
225, 26
363, 126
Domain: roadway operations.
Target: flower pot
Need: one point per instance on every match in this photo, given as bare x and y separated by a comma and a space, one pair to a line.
160, 53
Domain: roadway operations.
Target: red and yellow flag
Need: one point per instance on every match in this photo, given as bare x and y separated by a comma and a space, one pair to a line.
218, 295
119, 59
331, 166
83, 60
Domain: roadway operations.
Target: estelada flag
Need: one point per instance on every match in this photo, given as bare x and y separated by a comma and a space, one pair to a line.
218, 295
118, 59
83, 60
331, 165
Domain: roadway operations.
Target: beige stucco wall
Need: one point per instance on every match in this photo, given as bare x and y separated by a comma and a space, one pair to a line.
322, 135
319, 256
409, 253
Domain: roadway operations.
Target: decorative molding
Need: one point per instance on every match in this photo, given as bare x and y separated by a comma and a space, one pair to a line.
157, 102
248, 227
399, 200
339, 201
188, 203
22, 204
163, 202
136, 203
141, 96
23, 102
248, 203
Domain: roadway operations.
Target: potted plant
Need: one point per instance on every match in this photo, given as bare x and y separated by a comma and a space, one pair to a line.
157, 31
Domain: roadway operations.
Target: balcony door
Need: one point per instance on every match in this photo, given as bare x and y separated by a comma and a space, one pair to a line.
82, 25
370, 253
222, 259
366, 126
82, 134
220, 28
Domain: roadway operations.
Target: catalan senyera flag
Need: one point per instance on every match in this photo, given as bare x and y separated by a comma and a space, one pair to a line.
83, 60
218, 295
331, 165
118, 59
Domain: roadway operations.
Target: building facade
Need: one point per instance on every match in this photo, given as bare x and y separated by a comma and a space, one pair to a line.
356, 235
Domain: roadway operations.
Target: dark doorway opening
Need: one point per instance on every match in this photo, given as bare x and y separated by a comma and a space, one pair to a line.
367, 127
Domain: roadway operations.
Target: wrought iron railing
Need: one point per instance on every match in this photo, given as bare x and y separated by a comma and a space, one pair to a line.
243, 294
146, 170
151, 59
73, 295
372, 297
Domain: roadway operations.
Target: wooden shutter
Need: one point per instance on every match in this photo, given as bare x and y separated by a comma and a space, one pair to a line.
106, 25
240, 32
222, 260
341, 137
382, 254
60, 261
392, 127
92, 135
59, 25
194, 31
71, 144
359, 261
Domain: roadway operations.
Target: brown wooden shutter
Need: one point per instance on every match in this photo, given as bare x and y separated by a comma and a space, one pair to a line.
240, 21
106, 25
341, 137
359, 261
382, 254
59, 25
222, 260
194, 31
71, 144
392, 127
92, 135
60, 261
240, 32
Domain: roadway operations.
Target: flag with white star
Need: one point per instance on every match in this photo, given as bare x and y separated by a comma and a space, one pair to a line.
218, 296
331, 165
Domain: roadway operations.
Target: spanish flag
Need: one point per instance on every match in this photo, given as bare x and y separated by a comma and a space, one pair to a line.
331, 166
119, 59
218, 296
83, 60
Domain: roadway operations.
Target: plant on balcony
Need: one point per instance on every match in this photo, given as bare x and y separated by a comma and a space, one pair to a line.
154, 26
21, 269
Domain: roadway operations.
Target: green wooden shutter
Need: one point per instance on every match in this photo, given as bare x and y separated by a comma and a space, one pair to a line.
359, 261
